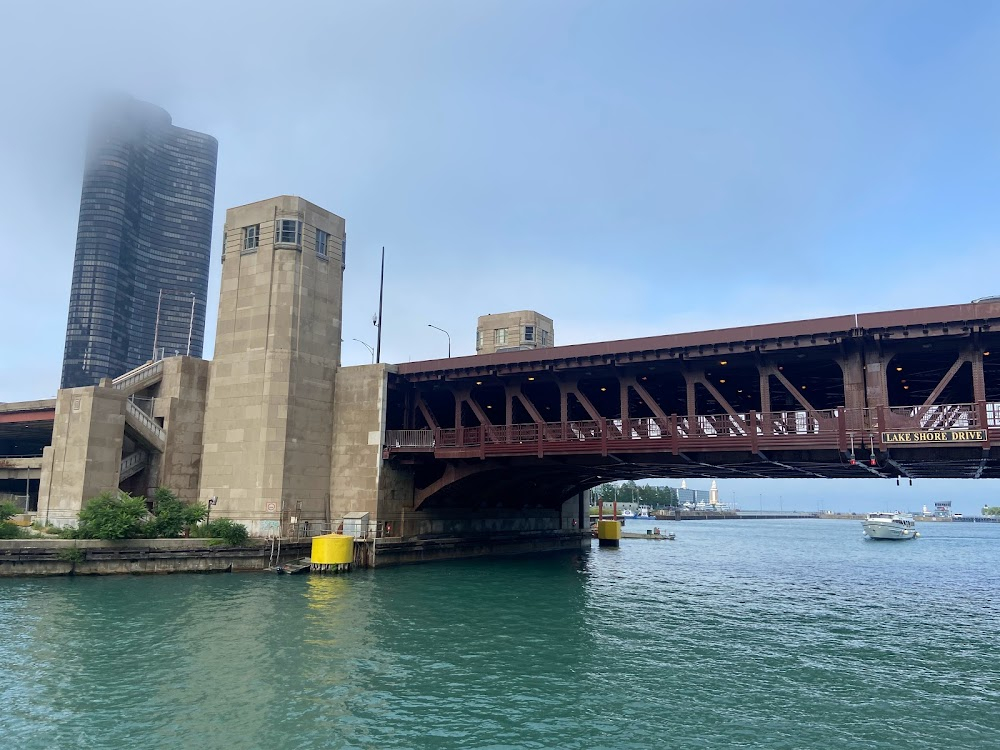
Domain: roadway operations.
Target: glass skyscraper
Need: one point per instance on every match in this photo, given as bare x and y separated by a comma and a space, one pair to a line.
143, 244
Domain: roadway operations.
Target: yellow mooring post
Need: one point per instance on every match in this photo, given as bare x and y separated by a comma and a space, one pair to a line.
609, 533
332, 553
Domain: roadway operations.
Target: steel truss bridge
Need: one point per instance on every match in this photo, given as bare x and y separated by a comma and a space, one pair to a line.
906, 394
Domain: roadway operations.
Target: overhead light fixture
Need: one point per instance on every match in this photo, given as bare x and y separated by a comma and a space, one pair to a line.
531, 377
803, 387
906, 387
479, 382
603, 388
899, 369
723, 380
986, 354
723, 362
739, 390
489, 406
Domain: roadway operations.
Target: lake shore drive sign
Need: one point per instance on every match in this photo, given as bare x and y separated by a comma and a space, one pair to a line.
935, 436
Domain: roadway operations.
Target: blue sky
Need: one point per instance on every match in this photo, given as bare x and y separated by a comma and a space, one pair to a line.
627, 168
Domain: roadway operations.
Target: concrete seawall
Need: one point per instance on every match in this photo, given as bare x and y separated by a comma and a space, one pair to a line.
417, 550
55, 557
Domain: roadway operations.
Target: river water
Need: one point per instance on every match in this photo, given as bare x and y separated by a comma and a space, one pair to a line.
738, 634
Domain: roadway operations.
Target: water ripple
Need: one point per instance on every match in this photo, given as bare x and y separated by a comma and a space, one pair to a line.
738, 635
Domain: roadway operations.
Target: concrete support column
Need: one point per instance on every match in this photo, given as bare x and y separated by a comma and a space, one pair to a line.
623, 395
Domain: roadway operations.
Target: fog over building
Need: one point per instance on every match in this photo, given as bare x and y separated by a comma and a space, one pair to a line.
140, 274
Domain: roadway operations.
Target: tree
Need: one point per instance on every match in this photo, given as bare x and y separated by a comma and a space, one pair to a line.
991, 510
112, 516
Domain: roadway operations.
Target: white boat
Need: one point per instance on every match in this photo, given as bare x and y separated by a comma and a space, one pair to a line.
645, 512
627, 513
890, 526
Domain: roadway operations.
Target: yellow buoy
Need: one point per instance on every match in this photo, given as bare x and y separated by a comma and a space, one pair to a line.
332, 552
609, 533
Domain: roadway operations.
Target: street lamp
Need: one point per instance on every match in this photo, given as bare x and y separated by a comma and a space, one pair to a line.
368, 347
446, 334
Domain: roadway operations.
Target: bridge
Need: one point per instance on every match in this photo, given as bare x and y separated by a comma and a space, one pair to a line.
25, 430
906, 394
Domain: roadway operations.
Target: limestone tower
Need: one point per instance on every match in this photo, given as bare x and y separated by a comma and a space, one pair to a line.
713, 494
269, 413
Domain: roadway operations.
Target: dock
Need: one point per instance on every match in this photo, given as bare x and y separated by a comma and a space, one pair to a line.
662, 536
295, 566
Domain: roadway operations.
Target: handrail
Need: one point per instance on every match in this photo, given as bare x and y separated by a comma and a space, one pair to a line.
830, 428
146, 421
139, 374
132, 465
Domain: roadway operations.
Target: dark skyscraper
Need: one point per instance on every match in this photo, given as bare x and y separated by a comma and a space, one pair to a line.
143, 243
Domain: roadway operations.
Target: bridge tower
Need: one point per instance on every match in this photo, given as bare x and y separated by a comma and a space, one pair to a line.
269, 412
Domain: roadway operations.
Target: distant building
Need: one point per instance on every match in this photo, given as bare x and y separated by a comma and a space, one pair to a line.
513, 331
140, 274
942, 508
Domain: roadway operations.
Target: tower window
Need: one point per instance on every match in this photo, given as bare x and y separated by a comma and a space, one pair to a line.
479, 339
529, 333
251, 237
322, 239
500, 336
288, 231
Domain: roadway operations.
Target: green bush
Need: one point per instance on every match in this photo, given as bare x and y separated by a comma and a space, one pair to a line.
112, 516
232, 533
171, 516
9, 530
8, 510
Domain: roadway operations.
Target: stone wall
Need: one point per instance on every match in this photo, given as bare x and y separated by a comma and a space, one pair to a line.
358, 433
181, 405
85, 456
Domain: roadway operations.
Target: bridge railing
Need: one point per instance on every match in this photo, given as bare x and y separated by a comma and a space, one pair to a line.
753, 431
421, 439
933, 417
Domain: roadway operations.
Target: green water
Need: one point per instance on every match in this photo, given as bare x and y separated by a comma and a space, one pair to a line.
769, 634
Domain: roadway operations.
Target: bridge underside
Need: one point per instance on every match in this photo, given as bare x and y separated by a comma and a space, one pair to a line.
528, 481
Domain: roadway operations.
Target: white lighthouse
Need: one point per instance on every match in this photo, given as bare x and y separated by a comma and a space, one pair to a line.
713, 494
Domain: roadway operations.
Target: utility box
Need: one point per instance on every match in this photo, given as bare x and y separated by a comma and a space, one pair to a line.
356, 524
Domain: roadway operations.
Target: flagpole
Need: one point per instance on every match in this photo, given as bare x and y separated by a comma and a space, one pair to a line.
381, 286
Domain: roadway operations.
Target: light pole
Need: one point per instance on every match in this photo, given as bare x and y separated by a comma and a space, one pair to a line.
368, 347
446, 334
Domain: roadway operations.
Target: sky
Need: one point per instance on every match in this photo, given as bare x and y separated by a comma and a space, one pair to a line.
626, 168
